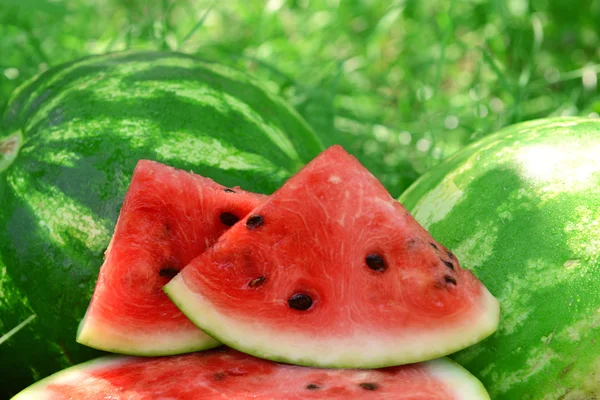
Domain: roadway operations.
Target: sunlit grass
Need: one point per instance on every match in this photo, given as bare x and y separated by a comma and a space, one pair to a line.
402, 84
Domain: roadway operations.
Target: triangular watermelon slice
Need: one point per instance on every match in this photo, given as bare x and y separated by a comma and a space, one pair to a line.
227, 374
331, 271
168, 218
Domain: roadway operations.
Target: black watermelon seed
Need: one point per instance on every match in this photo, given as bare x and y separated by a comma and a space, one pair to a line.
228, 218
257, 281
448, 264
300, 301
451, 255
254, 221
375, 262
450, 279
433, 245
368, 386
168, 272
227, 190
312, 386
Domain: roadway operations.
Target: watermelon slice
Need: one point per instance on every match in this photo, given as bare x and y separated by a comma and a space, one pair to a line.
227, 374
168, 217
331, 271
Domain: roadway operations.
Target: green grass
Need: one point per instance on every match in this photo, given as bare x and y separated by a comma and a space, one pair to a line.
401, 84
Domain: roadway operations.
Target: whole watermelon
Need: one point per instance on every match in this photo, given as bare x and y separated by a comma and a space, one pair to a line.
521, 208
70, 140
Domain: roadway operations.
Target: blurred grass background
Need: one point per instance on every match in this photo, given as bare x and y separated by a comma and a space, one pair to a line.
401, 84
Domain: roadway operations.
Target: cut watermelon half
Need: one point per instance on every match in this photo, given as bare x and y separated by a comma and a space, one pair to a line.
168, 218
331, 271
227, 374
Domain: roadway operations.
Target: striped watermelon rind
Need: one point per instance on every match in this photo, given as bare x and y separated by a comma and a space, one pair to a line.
521, 209
84, 125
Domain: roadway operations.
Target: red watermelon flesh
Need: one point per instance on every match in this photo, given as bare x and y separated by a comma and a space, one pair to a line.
168, 217
227, 374
331, 271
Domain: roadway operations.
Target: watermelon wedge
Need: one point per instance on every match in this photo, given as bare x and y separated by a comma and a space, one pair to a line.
227, 374
169, 216
331, 271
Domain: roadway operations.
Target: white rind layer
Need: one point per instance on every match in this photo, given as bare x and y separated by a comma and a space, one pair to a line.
150, 343
365, 347
463, 385
74, 375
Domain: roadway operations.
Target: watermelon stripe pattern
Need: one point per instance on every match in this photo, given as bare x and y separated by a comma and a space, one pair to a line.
84, 125
521, 209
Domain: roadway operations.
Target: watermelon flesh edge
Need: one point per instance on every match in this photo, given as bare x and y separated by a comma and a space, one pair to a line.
169, 217
313, 242
229, 374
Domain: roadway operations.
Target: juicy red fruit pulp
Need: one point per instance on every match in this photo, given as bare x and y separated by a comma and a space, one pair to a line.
331, 256
306, 277
229, 374
168, 218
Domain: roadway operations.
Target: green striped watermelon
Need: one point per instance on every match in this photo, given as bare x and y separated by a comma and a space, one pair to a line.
521, 208
70, 141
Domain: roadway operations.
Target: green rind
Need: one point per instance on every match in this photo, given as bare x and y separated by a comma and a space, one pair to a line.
520, 208
15, 327
85, 124
256, 338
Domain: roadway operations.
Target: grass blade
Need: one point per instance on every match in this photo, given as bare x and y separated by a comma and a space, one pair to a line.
17, 328
198, 24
